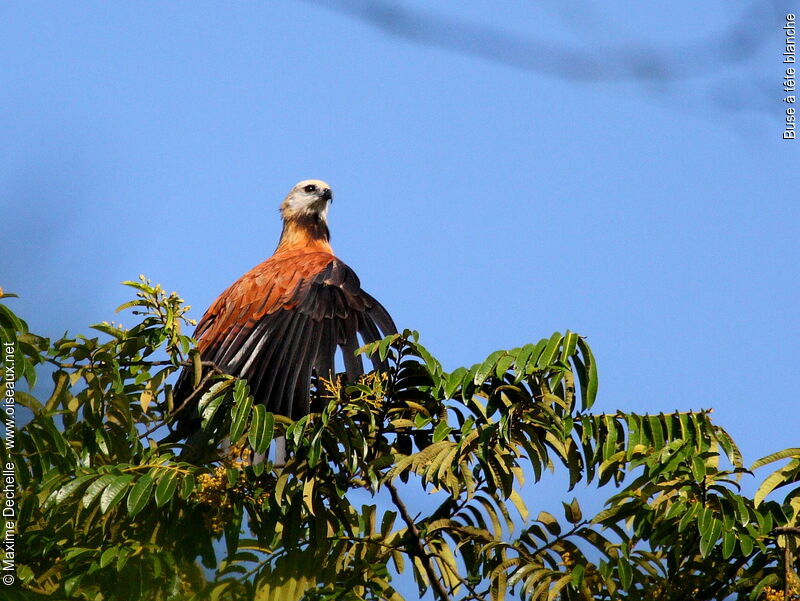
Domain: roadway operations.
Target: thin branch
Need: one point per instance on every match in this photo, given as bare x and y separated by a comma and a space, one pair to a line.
787, 570
560, 537
210, 364
215, 371
151, 466
416, 542
149, 431
450, 509
787, 555
365, 541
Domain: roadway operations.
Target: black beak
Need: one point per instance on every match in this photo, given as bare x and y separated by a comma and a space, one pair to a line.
327, 194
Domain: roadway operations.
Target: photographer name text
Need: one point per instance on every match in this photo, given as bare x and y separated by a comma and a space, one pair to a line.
9, 482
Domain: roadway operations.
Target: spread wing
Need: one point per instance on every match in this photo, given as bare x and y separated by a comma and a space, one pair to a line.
284, 321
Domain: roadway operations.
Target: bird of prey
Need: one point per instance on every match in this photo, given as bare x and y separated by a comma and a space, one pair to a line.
282, 322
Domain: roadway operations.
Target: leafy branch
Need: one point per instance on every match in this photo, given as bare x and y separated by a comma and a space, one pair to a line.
107, 513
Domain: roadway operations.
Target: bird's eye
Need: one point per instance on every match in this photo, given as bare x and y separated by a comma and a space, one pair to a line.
310, 188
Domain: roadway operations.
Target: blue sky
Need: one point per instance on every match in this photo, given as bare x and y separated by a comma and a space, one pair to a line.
487, 193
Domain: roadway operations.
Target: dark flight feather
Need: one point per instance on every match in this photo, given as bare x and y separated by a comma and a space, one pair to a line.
281, 324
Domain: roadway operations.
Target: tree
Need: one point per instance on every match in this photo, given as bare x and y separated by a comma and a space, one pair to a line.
105, 512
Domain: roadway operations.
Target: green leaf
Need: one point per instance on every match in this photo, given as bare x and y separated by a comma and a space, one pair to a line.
133, 303
140, 494
211, 400
549, 522
698, 468
261, 429
516, 499
709, 538
108, 329
549, 352
441, 431
64, 492
209, 411
572, 511
784, 454
533, 360
705, 521
114, 492
503, 364
746, 544
383, 347
577, 575
689, 516
71, 583
71, 554
108, 556
557, 586
587, 376
28, 401
625, 572
387, 523
486, 368
122, 558
240, 414
453, 382
728, 543
656, 431
166, 488
60, 389
569, 345
775, 480
521, 359
729, 446
432, 365
95, 488
188, 484
767, 580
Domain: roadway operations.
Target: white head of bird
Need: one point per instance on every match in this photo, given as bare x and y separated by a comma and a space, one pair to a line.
308, 198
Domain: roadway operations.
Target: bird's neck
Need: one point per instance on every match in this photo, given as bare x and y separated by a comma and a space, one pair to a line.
305, 232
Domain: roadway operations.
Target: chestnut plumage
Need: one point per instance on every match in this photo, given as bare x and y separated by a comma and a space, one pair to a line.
281, 323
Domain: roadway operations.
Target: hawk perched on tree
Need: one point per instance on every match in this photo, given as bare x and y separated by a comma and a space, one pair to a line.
282, 322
